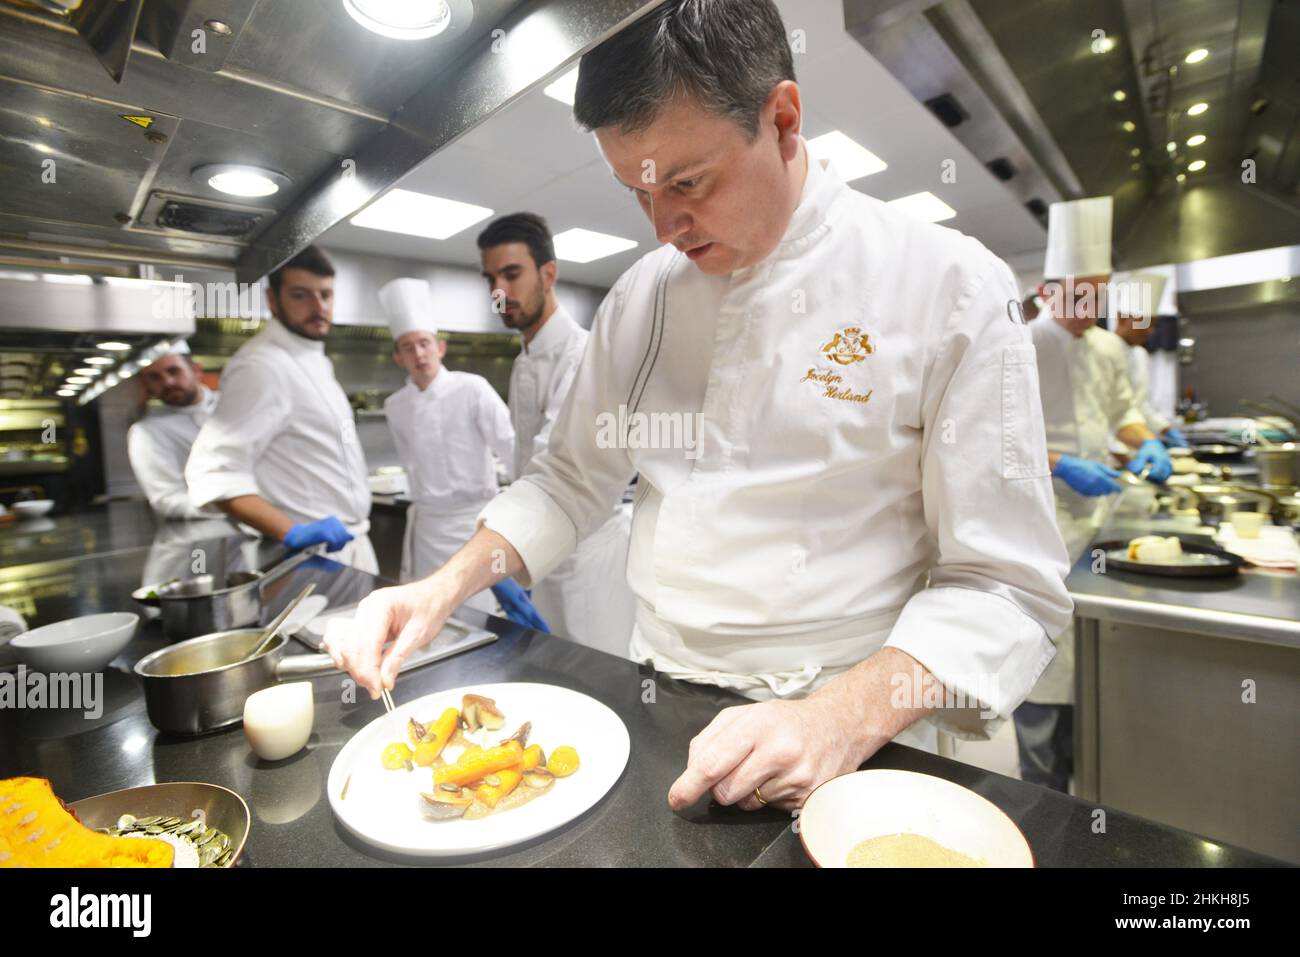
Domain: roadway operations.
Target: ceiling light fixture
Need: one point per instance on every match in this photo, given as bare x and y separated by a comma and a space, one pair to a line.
565, 88
1135, 151
87, 371
1103, 45
1171, 146
1197, 55
1196, 140
66, 393
77, 380
68, 279
419, 214
402, 19
924, 206
1196, 109
114, 346
847, 157
1119, 96
1196, 166
585, 245
1181, 177
1129, 126
240, 179
100, 361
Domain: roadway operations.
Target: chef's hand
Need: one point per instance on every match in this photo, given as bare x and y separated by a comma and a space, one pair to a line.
1152, 452
518, 607
330, 531
408, 616
1174, 438
1085, 476
782, 748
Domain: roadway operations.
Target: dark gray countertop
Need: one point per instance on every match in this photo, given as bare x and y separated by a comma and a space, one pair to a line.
632, 825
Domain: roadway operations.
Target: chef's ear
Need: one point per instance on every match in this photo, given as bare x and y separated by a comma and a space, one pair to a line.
442, 348
784, 110
550, 272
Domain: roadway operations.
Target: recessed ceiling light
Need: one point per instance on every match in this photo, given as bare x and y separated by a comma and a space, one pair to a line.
1196, 56
77, 380
1196, 140
419, 214
401, 19
1171, 146
1119, 96
66, 393
1196, 109
1129, 126
585, 245
1180, 177
68, 279
924, 206
1135, 167
114, 346
100, 361
87, 371
1103, 44
239, 179
849, 159
1196, 166
565, 88
1135, 151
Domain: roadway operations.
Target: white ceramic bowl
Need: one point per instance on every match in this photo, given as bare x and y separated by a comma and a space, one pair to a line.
78, 644
851, 808
33, 509
278, 720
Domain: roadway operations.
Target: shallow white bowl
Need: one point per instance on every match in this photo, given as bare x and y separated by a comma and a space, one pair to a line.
848, 809
33, 509
78, 644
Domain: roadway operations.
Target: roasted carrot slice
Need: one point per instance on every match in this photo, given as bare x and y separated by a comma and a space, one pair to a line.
532, 757
480, 764
436, 738
490, 794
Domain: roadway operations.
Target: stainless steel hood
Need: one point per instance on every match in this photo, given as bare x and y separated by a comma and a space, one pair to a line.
106, 114
1035, 83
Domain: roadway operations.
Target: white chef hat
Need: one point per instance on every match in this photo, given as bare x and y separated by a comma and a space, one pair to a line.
178, 348
1078, 238
408, 307
1136, 294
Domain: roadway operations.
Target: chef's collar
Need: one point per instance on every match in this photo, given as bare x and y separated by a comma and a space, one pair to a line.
280, 335
820, 187
557, 331
207, 399
435, 387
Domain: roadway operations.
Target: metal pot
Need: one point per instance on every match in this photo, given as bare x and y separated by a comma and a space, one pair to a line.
1286, 510
1215, 503
201, 685
1278, 464
196, 606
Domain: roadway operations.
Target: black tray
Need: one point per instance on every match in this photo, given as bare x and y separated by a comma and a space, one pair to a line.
1232, 563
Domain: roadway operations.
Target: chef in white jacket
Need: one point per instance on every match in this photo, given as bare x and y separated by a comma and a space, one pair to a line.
866, 517
1087, 397
281, 452
1133, 309
447, 426
586, 596
158, 445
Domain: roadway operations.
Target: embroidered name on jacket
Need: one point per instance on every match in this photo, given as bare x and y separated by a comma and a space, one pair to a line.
847, 347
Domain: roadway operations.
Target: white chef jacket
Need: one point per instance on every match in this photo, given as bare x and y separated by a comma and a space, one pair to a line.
795, 539
284, 430
158, 447
585, 597
446, 436
1139, 375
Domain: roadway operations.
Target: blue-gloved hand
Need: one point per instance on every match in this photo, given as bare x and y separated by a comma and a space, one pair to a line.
517, 605
1174, 439
1152, 452
328, 530
1085, 476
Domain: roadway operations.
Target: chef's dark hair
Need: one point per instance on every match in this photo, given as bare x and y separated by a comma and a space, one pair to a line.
726, 54
527, 228
311, 259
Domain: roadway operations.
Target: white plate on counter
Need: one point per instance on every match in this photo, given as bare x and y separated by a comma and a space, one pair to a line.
382, 807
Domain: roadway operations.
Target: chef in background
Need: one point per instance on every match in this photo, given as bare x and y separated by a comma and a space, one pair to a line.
1084, 382
1136, 298
447, 426
280, 453
585, 598
159, 444
866, 517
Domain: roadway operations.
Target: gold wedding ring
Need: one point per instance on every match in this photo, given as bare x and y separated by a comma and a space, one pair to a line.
759, 796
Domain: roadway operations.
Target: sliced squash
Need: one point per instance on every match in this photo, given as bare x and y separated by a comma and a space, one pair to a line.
36, 830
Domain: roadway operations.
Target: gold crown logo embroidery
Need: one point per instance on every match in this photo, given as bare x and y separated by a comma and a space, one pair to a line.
849, 345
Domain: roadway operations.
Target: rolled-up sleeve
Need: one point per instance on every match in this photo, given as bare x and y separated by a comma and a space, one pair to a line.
568, 489
249, 414
996, 590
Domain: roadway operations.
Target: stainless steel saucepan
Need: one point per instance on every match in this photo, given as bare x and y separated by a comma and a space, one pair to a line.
203, 605
201, 685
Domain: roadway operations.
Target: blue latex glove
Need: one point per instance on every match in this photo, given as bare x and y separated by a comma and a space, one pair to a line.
1085, 476
1174, 439
328, 530
1152, 452
517, 605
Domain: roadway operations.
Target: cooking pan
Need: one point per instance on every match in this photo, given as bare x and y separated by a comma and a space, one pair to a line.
197, 606
200, 685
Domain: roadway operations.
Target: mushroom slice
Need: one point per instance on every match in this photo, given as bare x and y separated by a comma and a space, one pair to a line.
480, 712
539, 778
521, 735
445, 802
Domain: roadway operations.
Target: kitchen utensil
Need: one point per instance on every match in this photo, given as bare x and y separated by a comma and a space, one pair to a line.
201, 685
198, 606
382, 808
1247, 524
280, 619
81, 644
1279, 464
851, 808
1215, 503
219, 807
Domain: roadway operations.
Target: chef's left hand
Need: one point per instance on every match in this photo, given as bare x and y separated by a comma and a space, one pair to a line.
1174, 438
1152, 452
783, 748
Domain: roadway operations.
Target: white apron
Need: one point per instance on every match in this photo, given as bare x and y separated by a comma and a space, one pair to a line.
432, 536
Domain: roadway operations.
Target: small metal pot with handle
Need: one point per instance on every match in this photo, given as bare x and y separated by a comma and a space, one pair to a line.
201, 685
198, 606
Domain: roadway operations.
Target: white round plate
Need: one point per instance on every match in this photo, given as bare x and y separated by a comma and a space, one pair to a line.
382, 807
847, 810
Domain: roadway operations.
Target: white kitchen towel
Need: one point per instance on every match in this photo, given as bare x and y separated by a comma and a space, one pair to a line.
1275, 548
